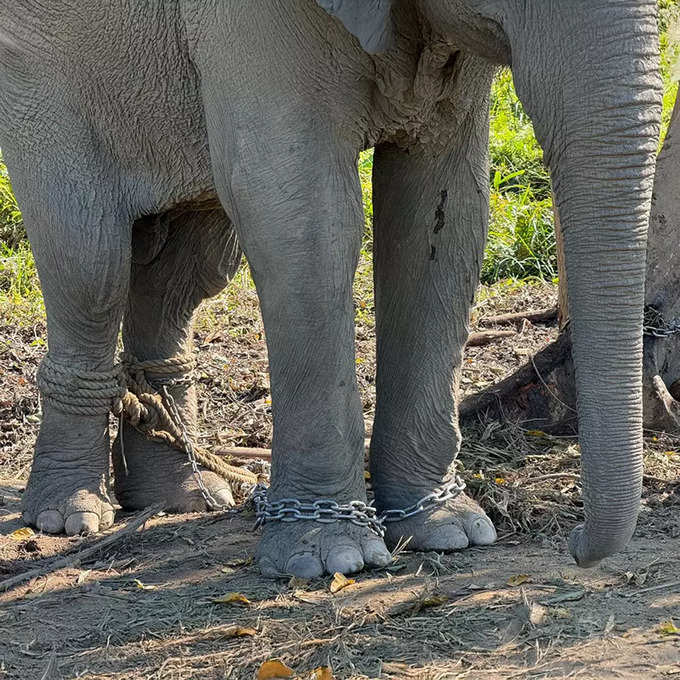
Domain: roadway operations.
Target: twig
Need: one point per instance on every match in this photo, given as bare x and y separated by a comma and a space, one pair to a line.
249, 453
486, 337
540, 315
245, 452
69, 561
662, 586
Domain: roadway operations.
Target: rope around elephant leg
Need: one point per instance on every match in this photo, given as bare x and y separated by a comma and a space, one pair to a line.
165, 423
128, 391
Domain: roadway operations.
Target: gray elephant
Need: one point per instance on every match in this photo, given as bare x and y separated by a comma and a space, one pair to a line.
149, 141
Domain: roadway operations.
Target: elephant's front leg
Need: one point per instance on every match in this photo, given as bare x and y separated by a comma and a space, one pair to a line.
430, 212
299, 220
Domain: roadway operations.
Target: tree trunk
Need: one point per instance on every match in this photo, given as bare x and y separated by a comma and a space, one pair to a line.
541, 394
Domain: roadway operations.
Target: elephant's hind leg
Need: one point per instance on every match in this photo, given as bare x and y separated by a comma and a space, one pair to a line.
430, 216
178, 260
80, 235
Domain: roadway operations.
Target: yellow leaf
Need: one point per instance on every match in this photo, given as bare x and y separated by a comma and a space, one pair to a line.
367, 475
359, 360
518, 580
142, 586
21, 534
321, 673
434, 601
237, 631
670, 454
500, 480
340, 581
273, 669
669, 628
233, 598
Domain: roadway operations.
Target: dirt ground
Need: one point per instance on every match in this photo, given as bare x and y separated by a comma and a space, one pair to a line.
145, 605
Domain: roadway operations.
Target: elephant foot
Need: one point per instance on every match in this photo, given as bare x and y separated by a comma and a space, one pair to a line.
67, 491
308, 549
455, 525
147, 473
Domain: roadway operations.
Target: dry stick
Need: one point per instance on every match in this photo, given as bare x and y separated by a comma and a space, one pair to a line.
539, 315
484, 338
248, 453
68, 561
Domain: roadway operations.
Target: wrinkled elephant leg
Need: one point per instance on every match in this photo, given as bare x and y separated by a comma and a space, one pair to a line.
430, 211
80, 239
178, 259
296, 202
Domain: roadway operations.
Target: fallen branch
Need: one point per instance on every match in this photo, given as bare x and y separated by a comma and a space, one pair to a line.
486, 337
248, 453
538, 316
70, 561
244, 452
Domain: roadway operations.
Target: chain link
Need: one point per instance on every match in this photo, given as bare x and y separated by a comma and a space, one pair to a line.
656, 326
323, 511
189, 447
439, 496
356, 512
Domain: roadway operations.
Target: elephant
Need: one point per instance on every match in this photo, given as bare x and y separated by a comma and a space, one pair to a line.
150, 143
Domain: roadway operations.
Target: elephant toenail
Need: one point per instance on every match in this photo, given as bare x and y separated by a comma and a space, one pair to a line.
376, 554
347, 560
107, 519
50, 521
482, 532
304, 565
82, 523
224, 497
446, 537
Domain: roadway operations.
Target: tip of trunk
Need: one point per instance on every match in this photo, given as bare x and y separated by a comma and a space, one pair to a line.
589, 551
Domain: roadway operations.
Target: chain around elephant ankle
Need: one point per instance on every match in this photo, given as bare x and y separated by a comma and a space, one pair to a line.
439, 496
324, 511
356, 512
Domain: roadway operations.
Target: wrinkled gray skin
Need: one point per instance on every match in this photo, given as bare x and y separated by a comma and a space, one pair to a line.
116, 111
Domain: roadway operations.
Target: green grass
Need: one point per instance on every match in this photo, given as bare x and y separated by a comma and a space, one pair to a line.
521, 242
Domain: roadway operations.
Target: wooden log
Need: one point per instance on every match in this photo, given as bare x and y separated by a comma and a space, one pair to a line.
486, 337
536, 316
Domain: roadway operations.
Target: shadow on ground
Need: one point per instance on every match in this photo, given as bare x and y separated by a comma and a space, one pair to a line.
144, 608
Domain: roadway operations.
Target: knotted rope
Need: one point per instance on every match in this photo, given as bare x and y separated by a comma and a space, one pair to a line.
131, 391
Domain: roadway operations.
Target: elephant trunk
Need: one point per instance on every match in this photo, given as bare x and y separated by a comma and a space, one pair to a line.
595, 101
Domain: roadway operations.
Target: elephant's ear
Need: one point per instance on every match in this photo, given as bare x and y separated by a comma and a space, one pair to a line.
368, 20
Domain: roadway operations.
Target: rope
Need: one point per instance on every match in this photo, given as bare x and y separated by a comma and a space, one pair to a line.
129, 391
79, 392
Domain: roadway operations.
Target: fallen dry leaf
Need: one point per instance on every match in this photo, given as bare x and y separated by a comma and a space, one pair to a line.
21, 534
273, 669
143, 586
668, 628
434, 601
233, 598
518, 580
340, 581
237, 631
321, 673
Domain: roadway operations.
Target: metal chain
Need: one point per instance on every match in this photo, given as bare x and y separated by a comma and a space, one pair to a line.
656, 326
324, 511
439, 496
356, 512
189, 447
